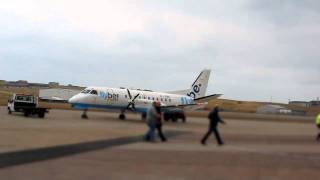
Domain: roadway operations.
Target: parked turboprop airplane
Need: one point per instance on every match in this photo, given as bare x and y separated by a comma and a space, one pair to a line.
139, 100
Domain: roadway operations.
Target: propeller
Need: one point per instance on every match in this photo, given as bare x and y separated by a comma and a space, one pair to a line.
131, 102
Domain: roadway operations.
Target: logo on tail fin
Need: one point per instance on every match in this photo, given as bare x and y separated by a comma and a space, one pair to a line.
199, 87
194, 91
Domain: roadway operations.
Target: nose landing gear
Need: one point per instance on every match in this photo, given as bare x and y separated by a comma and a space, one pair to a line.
122, 116
84, 114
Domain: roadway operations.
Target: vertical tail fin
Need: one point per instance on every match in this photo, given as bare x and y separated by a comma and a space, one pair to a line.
199, 87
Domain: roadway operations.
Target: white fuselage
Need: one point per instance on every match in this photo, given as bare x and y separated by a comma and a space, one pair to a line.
118, 98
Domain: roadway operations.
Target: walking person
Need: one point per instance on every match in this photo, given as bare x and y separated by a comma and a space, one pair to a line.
318, 125
214, 119
152, 116
159, 122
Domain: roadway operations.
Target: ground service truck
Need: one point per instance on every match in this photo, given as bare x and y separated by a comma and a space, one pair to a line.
27, 104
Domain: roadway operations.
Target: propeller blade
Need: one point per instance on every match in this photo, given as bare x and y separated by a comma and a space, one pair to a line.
136, 97
129, 105
129, 94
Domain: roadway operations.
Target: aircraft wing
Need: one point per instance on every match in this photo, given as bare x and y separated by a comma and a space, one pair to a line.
207, 98
53, 99
184, 106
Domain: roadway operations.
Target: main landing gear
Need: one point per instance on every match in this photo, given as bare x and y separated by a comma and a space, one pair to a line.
122, 116
84, 114
144, 116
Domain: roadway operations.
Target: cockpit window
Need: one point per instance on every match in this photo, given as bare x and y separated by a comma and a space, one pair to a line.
94, 92
86, 91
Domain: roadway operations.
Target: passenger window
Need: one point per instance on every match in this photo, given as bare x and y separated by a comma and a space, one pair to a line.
169, 100
165, 100
153, 98
161, 99
148, 98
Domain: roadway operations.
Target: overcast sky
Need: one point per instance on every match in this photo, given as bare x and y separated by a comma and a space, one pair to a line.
256, 49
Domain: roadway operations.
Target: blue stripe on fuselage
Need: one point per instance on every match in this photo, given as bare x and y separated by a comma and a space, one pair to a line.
83, 106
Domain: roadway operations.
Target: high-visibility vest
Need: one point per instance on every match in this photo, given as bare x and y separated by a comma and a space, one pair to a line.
318, 120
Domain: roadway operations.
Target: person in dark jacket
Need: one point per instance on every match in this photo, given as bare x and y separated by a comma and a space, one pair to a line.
152, 116
213, 126
159, 122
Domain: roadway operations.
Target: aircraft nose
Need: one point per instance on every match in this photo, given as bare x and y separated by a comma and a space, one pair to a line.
73, 100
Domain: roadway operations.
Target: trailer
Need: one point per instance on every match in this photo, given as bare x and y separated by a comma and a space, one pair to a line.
27, 104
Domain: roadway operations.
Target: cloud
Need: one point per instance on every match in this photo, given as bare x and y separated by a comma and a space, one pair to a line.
256, 49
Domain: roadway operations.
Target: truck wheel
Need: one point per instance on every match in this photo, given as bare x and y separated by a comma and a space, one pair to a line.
174, 119
26, 113
41, 114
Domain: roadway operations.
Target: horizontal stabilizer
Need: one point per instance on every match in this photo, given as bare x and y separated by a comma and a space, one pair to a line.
180, 106
207, 98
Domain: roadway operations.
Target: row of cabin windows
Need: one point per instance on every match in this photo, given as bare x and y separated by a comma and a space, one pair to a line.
151, 98
87, 91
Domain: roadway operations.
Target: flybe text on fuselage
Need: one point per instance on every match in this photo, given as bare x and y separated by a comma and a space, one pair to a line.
108, 96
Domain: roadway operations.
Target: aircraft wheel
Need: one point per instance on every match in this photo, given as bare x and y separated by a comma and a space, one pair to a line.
144, 116
84, 116
122, 117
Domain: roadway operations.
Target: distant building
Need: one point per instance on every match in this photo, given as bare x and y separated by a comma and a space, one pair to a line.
20, 83
39, 85
54, 84
273, 109
26, 84
305, 103
300, 103
70, 86
315, 103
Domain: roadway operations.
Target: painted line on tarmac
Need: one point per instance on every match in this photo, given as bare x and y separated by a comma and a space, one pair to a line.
271, 152
10, 159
